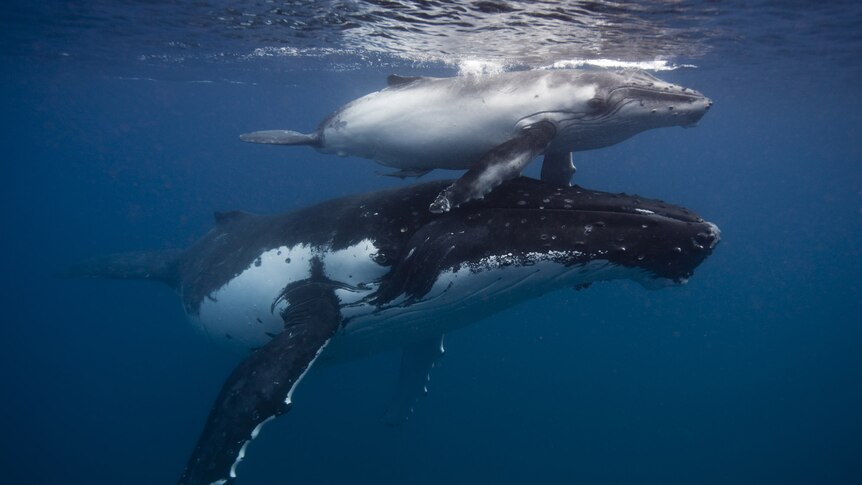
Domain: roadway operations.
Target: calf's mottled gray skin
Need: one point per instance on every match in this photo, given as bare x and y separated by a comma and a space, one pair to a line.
494, 126
377, 271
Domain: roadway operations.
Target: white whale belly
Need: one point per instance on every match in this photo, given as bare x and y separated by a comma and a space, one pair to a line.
241, 313
244, 312
441, 123
463, 296
415, 131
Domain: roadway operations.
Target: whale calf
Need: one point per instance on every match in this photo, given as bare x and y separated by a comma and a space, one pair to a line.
494, 126
372, 272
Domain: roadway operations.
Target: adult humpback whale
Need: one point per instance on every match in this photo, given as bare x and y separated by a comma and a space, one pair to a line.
365, 273
494, 126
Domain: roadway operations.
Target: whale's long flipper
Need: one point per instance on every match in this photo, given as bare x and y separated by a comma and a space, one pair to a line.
417, 360
396, 80
557, 168
502, 163
407, 172
281, 137
260, 388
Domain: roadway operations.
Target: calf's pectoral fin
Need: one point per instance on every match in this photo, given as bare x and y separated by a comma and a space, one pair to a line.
417, 360
396, 80
501, 163
557, 168
281, 137
260, 388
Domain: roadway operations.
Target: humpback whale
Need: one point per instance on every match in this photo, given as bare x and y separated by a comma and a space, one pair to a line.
494, 126
371, 272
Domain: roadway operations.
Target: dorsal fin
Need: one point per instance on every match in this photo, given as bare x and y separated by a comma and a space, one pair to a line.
396, 80
228, 216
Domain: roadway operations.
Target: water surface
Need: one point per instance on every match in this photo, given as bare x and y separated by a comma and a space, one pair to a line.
119, 126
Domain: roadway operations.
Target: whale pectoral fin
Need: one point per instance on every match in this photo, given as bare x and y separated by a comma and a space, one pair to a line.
260, 388
281, 137
396, 80
406, 172
417, 360
222, 218
557, 168
502, 163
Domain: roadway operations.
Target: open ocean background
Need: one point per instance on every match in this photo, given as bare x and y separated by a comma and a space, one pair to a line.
119, 131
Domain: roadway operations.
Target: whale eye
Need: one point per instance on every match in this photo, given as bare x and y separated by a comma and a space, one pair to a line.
595, 105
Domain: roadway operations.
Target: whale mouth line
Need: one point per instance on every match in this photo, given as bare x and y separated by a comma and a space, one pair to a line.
600, 117
660, 94
575, 117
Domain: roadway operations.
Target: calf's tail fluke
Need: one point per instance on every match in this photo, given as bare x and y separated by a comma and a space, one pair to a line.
162, 266
281, 137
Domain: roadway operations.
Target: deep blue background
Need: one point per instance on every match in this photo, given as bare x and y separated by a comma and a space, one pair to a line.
749, 374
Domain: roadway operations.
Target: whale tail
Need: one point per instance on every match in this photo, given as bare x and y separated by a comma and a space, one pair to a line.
281, 137
161, 266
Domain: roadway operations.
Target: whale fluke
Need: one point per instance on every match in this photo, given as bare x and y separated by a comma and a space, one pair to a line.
162, 266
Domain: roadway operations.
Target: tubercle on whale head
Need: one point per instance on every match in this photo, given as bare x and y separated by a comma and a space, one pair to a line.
637, 95
529, 223
664, 103
576, 225
623, 104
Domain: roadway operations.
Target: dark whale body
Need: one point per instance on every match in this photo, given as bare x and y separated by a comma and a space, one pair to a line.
369, 272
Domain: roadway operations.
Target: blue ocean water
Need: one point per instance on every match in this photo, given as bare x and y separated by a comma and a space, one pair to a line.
119, 131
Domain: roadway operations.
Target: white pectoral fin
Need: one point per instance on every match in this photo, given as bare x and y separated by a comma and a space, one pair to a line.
281, 137
417, 360
502, 163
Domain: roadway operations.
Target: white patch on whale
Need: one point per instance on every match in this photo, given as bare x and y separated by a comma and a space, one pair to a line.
458, 297
242, 307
